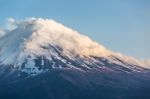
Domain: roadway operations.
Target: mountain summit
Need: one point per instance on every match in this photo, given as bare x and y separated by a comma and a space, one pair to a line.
34, 38
43, 52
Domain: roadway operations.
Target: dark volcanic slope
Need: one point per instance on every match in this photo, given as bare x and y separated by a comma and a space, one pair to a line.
72, 84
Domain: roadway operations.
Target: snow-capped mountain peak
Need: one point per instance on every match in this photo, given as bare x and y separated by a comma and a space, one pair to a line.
43, 42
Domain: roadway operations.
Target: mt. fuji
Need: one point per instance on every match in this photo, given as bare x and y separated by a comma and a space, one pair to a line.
43, 59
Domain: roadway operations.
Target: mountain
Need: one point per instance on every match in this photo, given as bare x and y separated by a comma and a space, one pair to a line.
43, 59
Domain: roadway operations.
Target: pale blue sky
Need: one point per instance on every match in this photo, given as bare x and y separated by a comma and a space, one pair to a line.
119, 25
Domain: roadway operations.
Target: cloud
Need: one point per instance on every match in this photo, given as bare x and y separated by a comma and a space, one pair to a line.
147, 63
32, 33
11, 24
47, 31
11, 21
2, 33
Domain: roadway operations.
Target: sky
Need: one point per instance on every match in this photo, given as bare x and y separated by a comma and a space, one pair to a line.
119, 25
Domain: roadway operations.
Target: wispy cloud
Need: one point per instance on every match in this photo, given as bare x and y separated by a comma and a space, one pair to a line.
2, 32
11, 24
147, 63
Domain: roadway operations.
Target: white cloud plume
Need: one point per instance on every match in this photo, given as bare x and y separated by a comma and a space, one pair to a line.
147, 63
2, 33
11, 24
48, 31
11, 21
